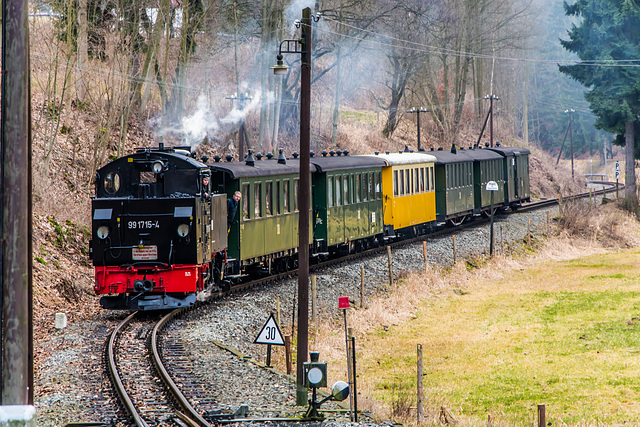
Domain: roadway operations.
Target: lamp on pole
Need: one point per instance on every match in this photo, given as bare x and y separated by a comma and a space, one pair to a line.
418, 111
303, 46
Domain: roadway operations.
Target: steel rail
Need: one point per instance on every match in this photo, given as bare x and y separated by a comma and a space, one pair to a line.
191, 414
115, 376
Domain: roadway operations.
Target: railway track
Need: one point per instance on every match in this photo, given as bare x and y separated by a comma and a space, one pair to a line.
139, 388
154, 379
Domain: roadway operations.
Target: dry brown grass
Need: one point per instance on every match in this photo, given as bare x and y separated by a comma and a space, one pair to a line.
601, 230
611, 226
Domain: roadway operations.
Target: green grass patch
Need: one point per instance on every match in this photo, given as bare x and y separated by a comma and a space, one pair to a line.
564, 334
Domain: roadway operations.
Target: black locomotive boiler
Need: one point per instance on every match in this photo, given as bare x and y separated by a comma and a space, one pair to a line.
159, 235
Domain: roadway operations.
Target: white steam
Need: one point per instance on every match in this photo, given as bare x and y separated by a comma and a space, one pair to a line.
203, 123
293, 12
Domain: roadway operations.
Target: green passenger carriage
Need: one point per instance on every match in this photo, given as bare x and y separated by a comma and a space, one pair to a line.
347, 202
263, 235
454, 185
516, 173
487, 166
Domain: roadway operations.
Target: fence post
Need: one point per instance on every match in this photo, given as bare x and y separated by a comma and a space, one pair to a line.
453, 242
529, 233
314, 294
542, 422
362, 286
424, 255
287, 353
548, 227
420, 386
390, 266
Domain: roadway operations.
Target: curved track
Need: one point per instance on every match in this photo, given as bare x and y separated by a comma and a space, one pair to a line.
136, 383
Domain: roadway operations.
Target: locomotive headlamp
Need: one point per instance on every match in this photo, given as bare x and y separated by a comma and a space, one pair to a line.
157, 167
102, 232
183, 230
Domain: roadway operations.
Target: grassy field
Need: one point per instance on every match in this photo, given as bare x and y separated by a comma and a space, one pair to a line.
564, 334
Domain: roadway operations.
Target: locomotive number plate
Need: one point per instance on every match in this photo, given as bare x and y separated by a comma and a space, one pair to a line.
147, 253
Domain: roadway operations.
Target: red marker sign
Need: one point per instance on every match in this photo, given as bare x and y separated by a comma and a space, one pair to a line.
343, 302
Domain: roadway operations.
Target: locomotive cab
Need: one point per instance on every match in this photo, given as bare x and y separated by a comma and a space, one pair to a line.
154, 240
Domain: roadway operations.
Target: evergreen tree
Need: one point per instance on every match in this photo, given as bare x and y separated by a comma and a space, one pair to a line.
607, 41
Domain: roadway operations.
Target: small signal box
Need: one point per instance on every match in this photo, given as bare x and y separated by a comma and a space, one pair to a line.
315, 372
343, 302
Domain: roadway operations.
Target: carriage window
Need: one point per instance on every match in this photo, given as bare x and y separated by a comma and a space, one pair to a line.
407, 177
358, 188
296, 191
414, 182
257, 201
330, 191
401, 183
245, 201
432, 182
285, 195
345, 187
267, 198
395, 184
112, 182
377, 186
338, 192
365, 187
372, 187
277, 206
422, 180
428, 186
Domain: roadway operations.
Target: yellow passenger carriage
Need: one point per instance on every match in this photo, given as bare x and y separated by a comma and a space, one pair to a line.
408, 193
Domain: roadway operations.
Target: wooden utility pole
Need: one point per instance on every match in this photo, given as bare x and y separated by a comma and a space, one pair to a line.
16, 335
304, 202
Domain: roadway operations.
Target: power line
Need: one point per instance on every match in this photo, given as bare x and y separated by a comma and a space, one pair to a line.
422, 47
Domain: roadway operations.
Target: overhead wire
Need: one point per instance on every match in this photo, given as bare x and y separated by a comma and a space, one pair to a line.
423, 47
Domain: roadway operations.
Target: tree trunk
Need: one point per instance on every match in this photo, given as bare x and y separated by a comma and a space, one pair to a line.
336, 99
267, 59
148, 71
630, 195
81, 63
525, 110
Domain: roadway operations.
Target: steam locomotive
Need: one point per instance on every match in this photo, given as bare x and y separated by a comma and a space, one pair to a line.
160, 233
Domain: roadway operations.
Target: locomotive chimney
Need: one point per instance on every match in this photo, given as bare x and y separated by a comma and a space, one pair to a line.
250, 160
281, 158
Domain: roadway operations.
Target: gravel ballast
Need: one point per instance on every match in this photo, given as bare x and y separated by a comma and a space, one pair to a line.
70, 386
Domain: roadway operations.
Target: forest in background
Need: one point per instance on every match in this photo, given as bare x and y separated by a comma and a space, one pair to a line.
108, 76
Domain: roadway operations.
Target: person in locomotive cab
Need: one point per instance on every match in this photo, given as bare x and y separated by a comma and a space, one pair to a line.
205, 186
232, 208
